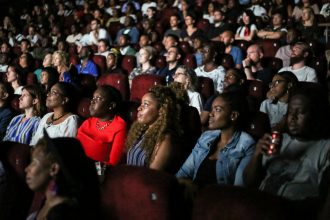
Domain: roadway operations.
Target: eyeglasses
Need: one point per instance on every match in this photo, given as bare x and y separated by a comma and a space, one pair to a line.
180, 73
54, 93
275, 83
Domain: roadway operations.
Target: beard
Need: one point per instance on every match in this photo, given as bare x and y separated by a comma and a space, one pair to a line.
296, 59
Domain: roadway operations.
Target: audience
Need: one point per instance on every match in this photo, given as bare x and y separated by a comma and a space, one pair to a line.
75, 30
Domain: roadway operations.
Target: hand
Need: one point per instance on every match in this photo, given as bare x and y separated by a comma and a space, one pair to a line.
246, 62
263, 145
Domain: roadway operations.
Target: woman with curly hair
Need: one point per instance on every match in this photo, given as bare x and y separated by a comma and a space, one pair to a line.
152, 140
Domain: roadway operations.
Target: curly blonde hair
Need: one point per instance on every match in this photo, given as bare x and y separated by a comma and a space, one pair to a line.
166, 123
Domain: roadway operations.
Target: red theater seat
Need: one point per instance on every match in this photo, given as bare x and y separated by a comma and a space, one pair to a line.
206, 87
100, 62
128, 63
117, 80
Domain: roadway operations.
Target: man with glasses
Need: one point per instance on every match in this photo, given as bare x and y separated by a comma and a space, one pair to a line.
299, 55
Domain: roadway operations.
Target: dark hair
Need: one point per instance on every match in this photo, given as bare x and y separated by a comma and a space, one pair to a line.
70, 91
36, 93
7, 89
290, 77
237, 102
112, 95
77, 178
53, 77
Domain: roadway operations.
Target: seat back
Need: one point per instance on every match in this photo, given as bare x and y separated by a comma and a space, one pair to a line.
142, 83
234, 203
269, 46
140, 193
189, 60
117, 80
128, 63
100, 62
206, 87
31, 79
83, 108
258, 125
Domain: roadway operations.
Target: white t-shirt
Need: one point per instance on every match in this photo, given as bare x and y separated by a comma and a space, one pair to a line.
275, 112
67, 128
217, 75
240, 31
195, 100
304, 74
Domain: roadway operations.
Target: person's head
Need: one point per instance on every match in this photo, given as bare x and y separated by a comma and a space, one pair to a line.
190, 19
144, 40
124, 40
146, 54
49, 77
59, 59
228, 111
48, 60
308, 15
62, 95
14, 74
6, 92
234, 76
157, 115
282, 84
129, 21
187, 77
103, 45
198, 42
62, 45
170, 41
148, 24
308, 113
4, 58
84, 53
74, 29
227, 37
254, 53
209, 53
151, 11
218, 15
106, 102
277, 19
248, 17
26, 60
112, 58
60, 166
32, 97
25, 45
173, 55
292, 36
174, 21
5, 47
300, 52
95, 24
31, 30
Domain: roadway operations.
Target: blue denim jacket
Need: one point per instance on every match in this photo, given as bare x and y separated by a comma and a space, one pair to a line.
231, 161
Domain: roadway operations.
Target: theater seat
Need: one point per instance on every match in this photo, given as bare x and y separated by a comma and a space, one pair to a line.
139, 193
100, 62
128, 63
269, 46
130, 112
117, 80
142, 83
15, 103
160, 62
189, 61
83, 108
31, 79
185, 47
258, 125
235, 203
206, 87
227, 61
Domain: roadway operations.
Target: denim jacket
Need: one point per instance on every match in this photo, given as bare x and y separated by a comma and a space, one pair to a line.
231, 162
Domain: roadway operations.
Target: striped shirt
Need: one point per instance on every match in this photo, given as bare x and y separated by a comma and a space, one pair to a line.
136, 156
21, 132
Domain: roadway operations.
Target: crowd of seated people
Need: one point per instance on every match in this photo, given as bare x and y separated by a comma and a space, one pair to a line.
216, 57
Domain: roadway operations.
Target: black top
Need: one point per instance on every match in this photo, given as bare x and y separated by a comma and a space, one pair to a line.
206, 174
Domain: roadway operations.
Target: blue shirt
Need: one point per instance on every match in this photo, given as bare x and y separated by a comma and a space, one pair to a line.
133, 32
231, 162
90, 68
136, 156
6, 115
21, 132
236, 53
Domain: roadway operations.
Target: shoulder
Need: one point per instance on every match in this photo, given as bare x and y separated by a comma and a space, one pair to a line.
119, 122
209, 135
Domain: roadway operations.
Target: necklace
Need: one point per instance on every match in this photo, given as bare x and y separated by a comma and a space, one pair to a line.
52, 120
100, 128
